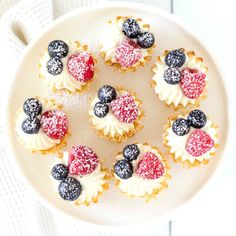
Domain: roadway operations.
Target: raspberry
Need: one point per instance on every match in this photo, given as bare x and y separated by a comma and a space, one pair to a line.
54, 124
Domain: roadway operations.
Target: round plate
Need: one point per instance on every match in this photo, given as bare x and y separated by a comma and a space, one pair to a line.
115, 208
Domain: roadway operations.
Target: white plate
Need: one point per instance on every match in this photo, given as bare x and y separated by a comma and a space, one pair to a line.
114, 208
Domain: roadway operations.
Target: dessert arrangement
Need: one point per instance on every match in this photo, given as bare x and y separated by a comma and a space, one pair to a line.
115, 113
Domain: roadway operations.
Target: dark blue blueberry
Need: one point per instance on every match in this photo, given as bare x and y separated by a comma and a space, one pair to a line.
55, 66
172, 75
31, 126
131, 152
181, 127
106, 94
175, 58
70, 189
58, 48
131, 28
197, 119
59, 171
101, 109
32, 107
146, 40
123, 169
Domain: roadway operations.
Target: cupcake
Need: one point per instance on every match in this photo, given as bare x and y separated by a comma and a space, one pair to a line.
79, 177
67, 66
141, 171
126, 43
115, 113
42, 125
191, 139
180, 79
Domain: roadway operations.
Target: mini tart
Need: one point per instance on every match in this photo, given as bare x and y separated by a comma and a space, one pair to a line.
93, 183
110, 127
172, 94
113, 36
40, 141
141, 186
65, 81
176, 145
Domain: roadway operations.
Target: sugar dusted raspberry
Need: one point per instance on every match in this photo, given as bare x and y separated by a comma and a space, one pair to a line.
82, 160
128, 53
124, 108
192, 82
199, 143
150, 167
81, 66
54, 124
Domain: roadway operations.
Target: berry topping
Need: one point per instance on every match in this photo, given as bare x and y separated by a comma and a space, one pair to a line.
128, 53
180, 127
123, 169
124, 108
82, 160
199, 142
32, 107
192, 82
81, 66
175, 58
106, 94
150, 167
59, 172
197, 119
31, 126
131, 28
58, 48
70, 189
146, 40
101, 109
54, 124
131, 152
55, 66
172, 75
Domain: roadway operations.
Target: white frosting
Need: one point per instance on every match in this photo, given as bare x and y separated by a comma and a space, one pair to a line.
91, 183
64, 80
137, 185
39, 141
173, 93
112, 35
178, 143
109, 124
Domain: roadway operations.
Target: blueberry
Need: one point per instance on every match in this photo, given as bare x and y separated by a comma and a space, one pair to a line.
197, 119
106, 94
55, 66
172, 75
123, 169
59, 171
70, 189
131, 28
101, 109
175, 58
146, 40
31, 126
131, 152
32, 107
58, 48
180, 127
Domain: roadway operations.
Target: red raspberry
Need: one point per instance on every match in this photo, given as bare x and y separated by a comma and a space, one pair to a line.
54, 124
128, 53
82, 160
150, 167
192, 82
124, 108
199, 142
81, 66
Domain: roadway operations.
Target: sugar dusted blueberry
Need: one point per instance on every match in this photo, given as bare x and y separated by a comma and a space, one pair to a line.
31, 126
123, 169
172, 75
146, 40
58, 48
54, 66
175, 58
32, 107
59, 171
181, 127
131, 152
106, 94
131, 28
101, 109
197, 119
